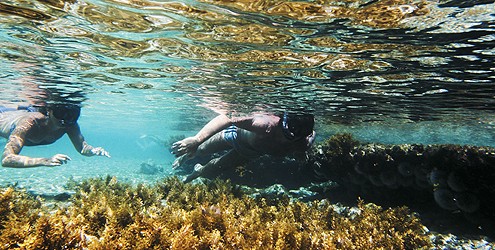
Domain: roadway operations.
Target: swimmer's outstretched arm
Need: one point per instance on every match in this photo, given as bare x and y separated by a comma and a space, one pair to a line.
189, 145
77, 139
214, 126
12, 159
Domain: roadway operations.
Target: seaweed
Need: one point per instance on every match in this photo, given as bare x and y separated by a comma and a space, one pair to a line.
340, 144
107, 214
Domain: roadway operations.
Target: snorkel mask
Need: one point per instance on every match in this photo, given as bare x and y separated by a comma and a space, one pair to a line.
298, 126
66, 113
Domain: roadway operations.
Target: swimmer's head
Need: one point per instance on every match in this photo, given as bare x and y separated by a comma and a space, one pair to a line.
296, 126
67, 114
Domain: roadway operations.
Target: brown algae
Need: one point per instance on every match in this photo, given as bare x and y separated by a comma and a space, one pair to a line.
107, 214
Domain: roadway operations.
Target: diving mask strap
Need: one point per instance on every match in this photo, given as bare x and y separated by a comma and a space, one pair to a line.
285, 127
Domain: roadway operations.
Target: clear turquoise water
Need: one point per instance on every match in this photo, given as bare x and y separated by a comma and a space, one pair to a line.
426, 77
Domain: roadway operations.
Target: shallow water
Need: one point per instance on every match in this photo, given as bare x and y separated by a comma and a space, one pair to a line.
146, 71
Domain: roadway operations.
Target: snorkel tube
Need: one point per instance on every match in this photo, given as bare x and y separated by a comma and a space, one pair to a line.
285, 127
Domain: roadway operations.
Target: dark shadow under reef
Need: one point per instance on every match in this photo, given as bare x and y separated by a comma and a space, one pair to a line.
452, 186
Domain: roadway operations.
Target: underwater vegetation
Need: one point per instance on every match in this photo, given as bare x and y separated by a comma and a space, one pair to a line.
107, 214
457, 178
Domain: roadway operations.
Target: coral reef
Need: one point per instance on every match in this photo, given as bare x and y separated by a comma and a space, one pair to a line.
458, 178
107, 214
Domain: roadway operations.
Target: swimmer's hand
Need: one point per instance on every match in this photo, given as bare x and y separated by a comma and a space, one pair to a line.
88, 150
100, 151
186, 146
57, 160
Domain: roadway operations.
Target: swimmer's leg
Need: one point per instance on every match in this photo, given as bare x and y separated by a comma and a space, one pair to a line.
216, 143
229, 160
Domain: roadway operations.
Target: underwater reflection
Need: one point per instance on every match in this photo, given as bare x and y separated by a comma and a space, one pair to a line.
325, 55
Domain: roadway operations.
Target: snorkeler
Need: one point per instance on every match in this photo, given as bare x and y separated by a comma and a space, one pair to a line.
31, 126
245, 138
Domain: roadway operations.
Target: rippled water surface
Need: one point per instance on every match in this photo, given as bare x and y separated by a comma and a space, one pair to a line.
350, 62
389, 71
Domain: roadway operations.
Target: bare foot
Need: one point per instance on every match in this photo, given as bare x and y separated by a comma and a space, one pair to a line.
195, 174
178, 162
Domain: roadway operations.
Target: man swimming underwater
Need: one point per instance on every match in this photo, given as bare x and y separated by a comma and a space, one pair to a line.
245, 138
30, 126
